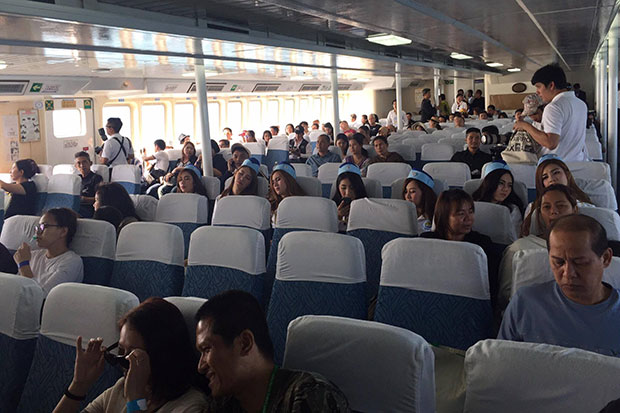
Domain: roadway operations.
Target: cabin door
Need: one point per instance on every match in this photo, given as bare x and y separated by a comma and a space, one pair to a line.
69, 128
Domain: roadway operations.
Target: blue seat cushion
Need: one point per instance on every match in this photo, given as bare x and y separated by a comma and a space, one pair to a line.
208, 280
131, 187
148, 278
50, 375
291, 299
41, 199
97, 270
56, 200
442, 319
275, 156
15, 359
187, 228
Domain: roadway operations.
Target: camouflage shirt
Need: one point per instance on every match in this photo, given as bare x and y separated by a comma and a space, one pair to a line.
295, 392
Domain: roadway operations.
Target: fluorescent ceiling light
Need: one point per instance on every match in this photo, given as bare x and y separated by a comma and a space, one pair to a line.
3, 65
514, 69
192, 74
362, 79
460, 56
387, 39
494, 64
301, 77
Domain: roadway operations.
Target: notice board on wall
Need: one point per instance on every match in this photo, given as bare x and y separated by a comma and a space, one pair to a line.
29, 129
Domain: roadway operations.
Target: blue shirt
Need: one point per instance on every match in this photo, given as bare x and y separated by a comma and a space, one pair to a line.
541, 313
317, 160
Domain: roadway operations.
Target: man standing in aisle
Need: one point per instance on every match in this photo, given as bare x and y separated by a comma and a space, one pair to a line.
426, 110
392, 118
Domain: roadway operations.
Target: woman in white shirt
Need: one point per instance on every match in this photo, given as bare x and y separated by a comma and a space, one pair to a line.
54, 263
419, 189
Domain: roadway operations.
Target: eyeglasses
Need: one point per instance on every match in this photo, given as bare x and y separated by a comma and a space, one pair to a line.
115, 359
43, 226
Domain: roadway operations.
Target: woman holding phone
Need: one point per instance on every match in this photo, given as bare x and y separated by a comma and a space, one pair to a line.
349, 187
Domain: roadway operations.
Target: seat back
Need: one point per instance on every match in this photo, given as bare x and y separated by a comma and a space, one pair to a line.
317, 273
243, 211
375, 222
494, 221
103, 171
600, 192
437, 152
64, 168
95, 242
595, 150
347, 352
386, 173
128, 176
146, 206
302, 169
47, 170
41, 181
257, 150
328, 173
18, 229
408, 152
72, 310
454, 173
608, 218
21, 300
310, 185
186, 211
63, 191
277, 151
420, 292
214, 265
511, 376
188, 306
590, 170
212, 185
149, 260
174, 154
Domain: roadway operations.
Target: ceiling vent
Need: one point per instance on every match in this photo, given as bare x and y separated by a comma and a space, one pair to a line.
344, 86
211, 87
309, 87
266, 87
13, 87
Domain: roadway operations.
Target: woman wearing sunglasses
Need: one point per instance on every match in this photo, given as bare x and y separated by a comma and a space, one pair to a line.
54, 263
159, 364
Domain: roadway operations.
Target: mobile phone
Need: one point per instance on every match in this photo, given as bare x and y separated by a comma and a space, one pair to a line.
347, 201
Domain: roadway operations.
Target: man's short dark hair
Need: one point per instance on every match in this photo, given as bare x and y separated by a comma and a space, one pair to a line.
275, 128
457, 115
225, 143
491, 107
239, 147
234, 311
228, 129
425, 91
160, 144
550, 73
81, 154
470, 130
576, 86
66, 218
409, 113
583, 223
116, 124
380, 138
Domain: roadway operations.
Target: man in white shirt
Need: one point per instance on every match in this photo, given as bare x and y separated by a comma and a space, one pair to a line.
564, 117
117, 150
392, 118
355, 124
54, 263
160, 168
460, 105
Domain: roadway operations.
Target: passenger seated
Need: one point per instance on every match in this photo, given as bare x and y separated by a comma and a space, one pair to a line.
245, 180
236, 355
54, 263
473, 156
323, 154
381, 145
349, 187
418, 188
160, 167
224, 143
298, 146
188, 157
359, 155
459, 120
113, 194
111, 215
90, 182
155, 352
577, 309
364, 130
434, 123
556, 201
454, 219
496, 188
189, 181
342, 142
419, 126
218, 161
239, 155
23, 192
282, 183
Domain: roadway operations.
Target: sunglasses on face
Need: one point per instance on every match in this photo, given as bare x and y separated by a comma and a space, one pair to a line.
115, 359
43, 226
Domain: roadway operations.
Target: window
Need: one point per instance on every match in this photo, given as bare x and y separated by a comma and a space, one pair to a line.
214, 120
234, 119
119, 111
153, 123
273, 113
316, 110
304, 110
69, 123
184, 119
289, 111
255, 117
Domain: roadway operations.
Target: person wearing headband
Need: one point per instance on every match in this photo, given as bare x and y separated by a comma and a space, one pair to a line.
419, 189
189, 181
349, 187
282, 183
323, 154
245, 179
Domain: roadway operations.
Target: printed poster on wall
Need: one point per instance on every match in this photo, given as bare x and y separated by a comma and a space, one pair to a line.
29, 130
14, 151
10, 135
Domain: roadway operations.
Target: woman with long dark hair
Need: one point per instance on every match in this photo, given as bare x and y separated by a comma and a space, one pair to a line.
23, 191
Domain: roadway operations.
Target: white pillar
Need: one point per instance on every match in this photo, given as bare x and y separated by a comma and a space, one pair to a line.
334, 78
603, 68
597, 86
399, 97
612, 114
436, 89
201, 94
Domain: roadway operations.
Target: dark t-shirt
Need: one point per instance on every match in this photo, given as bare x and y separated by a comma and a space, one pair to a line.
374, 129
219, 163
7, 263
475, 161
89, 184
427, 110
23, 204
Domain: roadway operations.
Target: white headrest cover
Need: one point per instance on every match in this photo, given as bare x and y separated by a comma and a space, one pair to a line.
126, 173
178, 207
230, 247
243, 210
64, 184
188, 306
437, 266
212, 185
590, 170
494, 221
146, 206
255, 148
41, 181
21, 300
321, 257
18, 229
278, 143
608, 218
600, 192
308, 212
511, 376
89, 311
94, 238
391, 215
64, 168
102, 170
151, 241
403, 374
388, 172
314, 135
310, 185
328, 172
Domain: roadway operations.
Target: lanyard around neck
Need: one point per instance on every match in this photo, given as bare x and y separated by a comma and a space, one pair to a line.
273, 375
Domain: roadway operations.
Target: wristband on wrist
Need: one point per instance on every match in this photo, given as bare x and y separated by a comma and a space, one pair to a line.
138, 405
23, 264
73, 396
